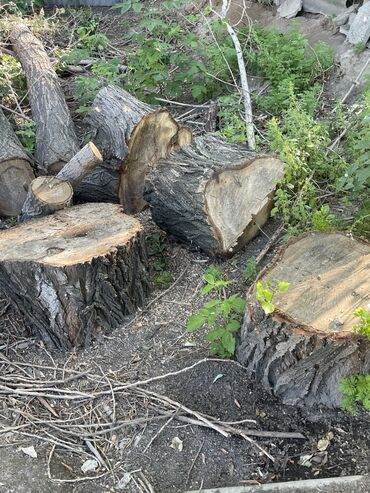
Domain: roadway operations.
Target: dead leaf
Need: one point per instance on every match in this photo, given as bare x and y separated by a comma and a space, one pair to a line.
90, 465
305, 460
177, 444
30, 451
323, 444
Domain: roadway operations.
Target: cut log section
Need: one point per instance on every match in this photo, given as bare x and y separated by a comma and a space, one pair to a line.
307, 346
212, 195
82, 164
15, 171
46, 195
132, 136
72, 273
56, 140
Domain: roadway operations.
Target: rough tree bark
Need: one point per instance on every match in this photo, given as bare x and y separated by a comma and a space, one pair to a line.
132, 137
15, 171
46, 195
307, 346
75, 272
213, 195
56, 140
83, 163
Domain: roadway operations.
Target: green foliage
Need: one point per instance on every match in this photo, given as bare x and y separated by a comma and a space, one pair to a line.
90, 39
363, 327
356, 390
22, 6
302, 142
231, 122
160, 274
359, 47
222, 316
11, 76
361, 224
27, 135
251, 270
323, 219
357, 177
103, 73
265, 294
288, 63
124, 7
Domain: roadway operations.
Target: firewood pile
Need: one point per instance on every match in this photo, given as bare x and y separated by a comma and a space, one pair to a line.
72, 268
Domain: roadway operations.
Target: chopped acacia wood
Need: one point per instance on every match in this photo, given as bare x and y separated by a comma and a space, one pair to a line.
46, 195
307, 346
56, 140
83, 163
15, 171
213, 195
75, 272
132, 136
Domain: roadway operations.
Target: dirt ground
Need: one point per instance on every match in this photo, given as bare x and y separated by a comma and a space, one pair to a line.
141, 457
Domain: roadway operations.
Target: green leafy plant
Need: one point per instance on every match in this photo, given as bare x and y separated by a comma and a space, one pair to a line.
222, 316
359, 47
22, 6
322, 219
27, 135
363, 327
11, 76
161, 276
124, 7
356, 390
251, 270
265, 294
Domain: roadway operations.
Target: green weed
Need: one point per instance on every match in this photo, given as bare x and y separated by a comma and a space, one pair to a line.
27, 135
251, 270
363, 327
265, 294
356, 390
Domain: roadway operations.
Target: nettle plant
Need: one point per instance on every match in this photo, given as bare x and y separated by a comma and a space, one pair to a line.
221, 316
356, 388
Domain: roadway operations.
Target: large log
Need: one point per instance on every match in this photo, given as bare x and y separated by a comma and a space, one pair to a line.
75, 272
82, 164
46, 195
15, 171
213, 195
303, 350
132, 136
56, 140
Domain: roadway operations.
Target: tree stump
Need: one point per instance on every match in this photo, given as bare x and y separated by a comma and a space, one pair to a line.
72, 273
46, 195
213, 195
56, 140
132, 136
307, 346
15, 171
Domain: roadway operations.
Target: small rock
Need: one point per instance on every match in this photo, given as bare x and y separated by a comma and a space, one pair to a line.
90, 465
341, 19
177, 444
359, 31
290, 8
344, 29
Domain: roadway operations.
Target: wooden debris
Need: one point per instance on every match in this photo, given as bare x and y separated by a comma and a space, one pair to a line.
132, 137
307, 346
15, 171
213, 195
56, 140
46, 195
83, 163
72, 273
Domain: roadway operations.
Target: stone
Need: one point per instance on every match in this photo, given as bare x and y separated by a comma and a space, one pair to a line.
359, 31
345, 16
325, 7
290, 8
351, 18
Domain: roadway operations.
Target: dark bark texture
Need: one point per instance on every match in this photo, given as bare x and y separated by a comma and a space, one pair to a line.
83, 270
56, 140
15, 171
184, 188
302, 351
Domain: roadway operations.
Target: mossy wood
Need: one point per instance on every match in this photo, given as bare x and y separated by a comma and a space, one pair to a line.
212, 195
75, 272
132, 137
56, 140
15, 171
307, 346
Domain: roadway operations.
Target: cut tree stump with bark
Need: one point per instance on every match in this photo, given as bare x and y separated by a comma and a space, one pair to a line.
46, 195
56, 140
212, 195
15, 171
307, 346
132, 136
82, 164
73, 273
